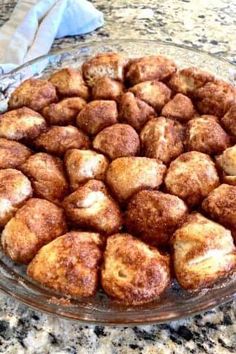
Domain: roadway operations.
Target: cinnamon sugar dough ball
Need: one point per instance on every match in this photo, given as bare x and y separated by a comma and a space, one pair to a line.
204, 252
133, 273
47, 176
206, 135
179, 108
153, 67
162, 139
227, 162
57, 140
109, 65
82, 165
188, 80
12, 153
34, 225
229, 120
127, 175
91, 206
154, 216
22, 123
63, 112
220, 205
107, 89
117, 140
81, 251
215, 98
97, 115
192, 176
69, 82
134, 111
33, 93
154, 93
15, 188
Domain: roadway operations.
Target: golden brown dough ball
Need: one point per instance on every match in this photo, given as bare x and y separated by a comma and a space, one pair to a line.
15, 188
215, 98
47, 176
206, 135
162, 139
188, 80
127, 175
180, 108
63, 112
33, 93
203, 253
227, 162
153, 67
34, 225
117, 141
12, 153
104, 64
134, 111
91, 206
57, 140
107, 89
133, 272
221, 206
192, 176
22, 123
69, 82
97, 115
154, 93
82, 165
69, 264
229, 120
154, 216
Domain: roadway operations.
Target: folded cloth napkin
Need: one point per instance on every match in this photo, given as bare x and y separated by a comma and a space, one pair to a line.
34, 25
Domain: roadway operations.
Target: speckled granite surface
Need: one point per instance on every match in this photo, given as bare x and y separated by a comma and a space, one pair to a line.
208, 25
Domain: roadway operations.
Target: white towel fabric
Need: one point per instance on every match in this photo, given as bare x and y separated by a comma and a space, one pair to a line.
34, 25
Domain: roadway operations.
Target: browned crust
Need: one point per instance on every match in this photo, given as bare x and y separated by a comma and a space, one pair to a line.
107, 89
117, 140
33, 93
180, 108
63, 112
154, 93
57, 140
69, 82
206, 135
12, 153
192, 176
47, 176
153, 67
127, 175
204, 252
134, 111
109, 64
162, 139
215, 98
133, 272
91, 206
22, 123
220, 205
154, 216
97, 115
69, 264
188, 80
34, 225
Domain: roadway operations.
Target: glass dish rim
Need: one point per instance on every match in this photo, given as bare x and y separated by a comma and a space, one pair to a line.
225, 294
110, 41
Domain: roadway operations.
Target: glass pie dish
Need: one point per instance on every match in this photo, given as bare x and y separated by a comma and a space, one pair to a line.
175, 303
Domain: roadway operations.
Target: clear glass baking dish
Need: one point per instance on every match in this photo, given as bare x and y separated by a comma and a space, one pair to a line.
174, 303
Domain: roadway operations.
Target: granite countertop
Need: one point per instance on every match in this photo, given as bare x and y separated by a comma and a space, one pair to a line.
208, 25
